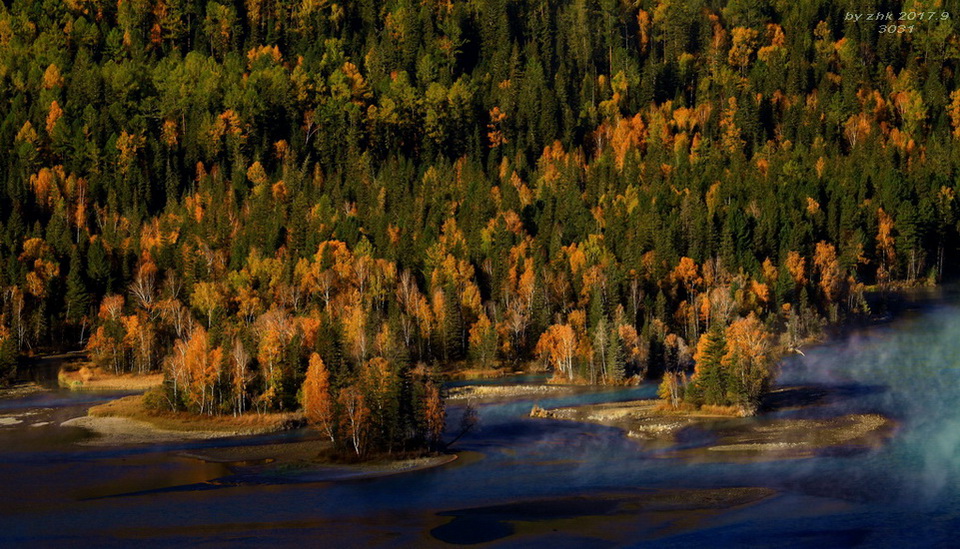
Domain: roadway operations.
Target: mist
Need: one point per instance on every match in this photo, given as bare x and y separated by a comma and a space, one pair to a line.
907, 370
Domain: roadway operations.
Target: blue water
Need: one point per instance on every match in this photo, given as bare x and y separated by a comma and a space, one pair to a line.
906, 493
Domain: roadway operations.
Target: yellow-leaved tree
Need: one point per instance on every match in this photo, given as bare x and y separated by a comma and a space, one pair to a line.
316, 399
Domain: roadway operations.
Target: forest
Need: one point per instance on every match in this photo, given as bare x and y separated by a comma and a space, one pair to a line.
285, 203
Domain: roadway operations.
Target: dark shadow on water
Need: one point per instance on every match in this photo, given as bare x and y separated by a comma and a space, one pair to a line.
44, 369
486, 524
843, 451
814, 395
826, 538
813, 539
694, 437
470, 531
193, 487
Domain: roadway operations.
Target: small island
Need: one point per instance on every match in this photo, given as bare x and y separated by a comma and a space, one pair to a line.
711, 436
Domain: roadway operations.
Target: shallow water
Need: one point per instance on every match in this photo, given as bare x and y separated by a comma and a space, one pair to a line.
523, 472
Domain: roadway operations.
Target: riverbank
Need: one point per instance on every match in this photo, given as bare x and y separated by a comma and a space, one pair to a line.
715, 437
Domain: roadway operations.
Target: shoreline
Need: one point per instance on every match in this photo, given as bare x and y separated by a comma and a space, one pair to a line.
112, 431
303, 461
330, 472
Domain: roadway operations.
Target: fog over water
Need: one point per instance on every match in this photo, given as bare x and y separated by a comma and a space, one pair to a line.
906, 493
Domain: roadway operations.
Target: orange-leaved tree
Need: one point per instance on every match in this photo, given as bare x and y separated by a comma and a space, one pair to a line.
750, 358
317, 401
558, 345
434, 413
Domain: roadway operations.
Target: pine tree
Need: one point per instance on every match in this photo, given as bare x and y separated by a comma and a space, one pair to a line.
77, 297
710, 376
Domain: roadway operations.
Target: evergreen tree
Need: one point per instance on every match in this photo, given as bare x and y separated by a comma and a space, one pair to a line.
711, 380
77, 297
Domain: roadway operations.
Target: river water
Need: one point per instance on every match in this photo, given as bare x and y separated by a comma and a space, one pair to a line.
523, 481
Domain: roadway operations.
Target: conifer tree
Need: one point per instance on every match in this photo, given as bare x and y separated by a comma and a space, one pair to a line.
77, 297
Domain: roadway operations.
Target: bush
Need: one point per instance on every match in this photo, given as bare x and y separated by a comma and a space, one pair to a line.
156, 399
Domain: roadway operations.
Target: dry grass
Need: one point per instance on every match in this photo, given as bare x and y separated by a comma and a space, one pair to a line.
467, 370
705, 411
92, 378
132, 407
20, 389
505, 391
726, 411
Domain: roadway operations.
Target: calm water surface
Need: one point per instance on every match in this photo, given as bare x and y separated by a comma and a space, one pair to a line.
58, 492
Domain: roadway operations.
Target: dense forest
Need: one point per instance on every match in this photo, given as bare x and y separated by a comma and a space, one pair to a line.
275, 200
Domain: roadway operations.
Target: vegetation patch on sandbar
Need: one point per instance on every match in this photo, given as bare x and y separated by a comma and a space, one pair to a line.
467, 392
88, 377
727, 438
131, 420
644, 419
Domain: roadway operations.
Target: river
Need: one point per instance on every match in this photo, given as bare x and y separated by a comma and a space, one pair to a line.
523, 481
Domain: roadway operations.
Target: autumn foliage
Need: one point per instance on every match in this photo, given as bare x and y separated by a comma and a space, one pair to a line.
236, 193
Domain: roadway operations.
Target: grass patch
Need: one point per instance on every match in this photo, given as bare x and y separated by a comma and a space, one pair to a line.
132, 407
706, 411
506, 391
732, 411
88, 377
